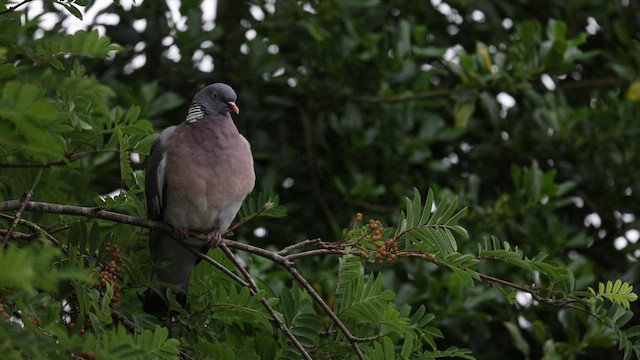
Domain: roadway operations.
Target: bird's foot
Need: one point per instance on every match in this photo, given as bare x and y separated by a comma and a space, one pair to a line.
181, 233
214, 239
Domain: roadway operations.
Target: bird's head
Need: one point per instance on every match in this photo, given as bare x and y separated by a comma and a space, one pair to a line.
217, 98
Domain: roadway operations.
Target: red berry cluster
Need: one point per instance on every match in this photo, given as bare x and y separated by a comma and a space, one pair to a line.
387, 251
109, 274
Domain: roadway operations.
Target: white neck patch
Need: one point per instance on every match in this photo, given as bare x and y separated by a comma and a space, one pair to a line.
195, 113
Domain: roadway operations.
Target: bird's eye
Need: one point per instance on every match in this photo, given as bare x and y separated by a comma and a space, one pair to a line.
215, 95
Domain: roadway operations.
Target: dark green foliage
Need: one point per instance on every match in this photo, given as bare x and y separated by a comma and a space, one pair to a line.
495, 142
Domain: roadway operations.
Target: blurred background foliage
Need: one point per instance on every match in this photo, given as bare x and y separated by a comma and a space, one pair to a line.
526, 110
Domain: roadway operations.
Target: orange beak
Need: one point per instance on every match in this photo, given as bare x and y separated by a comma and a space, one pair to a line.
232, 106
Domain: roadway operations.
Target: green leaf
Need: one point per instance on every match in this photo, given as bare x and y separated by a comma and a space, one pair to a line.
463, 111
263, 204
617, 292
633, 91
87, 43
361, 3
407, 345
517, 339
165, 102
300, 316
413, 209
316, 31
441, 210
403, 45
75, 11
428, 205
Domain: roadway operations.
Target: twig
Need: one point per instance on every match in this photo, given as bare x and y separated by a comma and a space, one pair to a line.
537, 297
13, 8
323, 251
369, 338
264, 208
17, 235
488, 278
274, 315
250, 283
128, 324
290, 267
25, 200
299, 245
302, 281
216, 264
33, 227
253, 289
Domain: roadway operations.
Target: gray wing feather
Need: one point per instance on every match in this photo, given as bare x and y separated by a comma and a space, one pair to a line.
155, 185
161, 245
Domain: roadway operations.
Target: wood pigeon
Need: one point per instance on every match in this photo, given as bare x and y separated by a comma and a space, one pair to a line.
198, 174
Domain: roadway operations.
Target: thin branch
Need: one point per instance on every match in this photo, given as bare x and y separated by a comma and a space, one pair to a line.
327, 309
13, 8
264, 208
128, 324
290, 267
253, 289
369, 338
25, 200
488, 278
541, 299
33, 227
216, 264
298, 245
18, 235
274, 315
250, 283
323, 251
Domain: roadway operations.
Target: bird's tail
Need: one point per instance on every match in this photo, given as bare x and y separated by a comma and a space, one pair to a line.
173, 264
